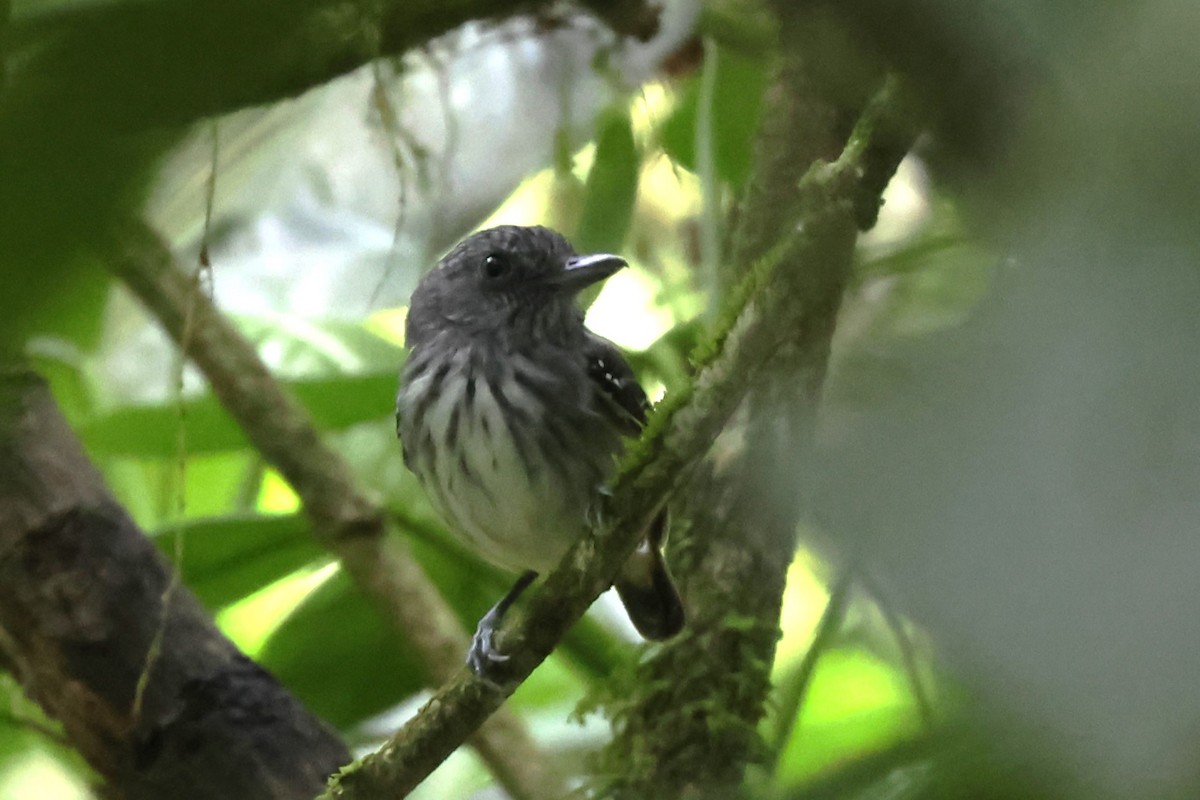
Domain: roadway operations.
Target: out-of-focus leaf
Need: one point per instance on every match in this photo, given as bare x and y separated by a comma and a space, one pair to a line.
912, 257
933, 284
60, 363
667, 358
345, 661
225, 559
856, 703
740, 83
214, 484
75, 310
304, 346
748, 29
340, 657
149, 488
29, 740
153, 431
611, 187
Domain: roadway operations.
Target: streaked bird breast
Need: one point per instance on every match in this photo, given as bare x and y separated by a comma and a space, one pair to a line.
510, 453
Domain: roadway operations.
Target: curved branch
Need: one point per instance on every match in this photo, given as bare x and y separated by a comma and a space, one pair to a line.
210, 57
351, 525
678, 436
81, 597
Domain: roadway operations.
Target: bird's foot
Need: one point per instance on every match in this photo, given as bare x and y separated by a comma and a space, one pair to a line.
484, 655
597, 511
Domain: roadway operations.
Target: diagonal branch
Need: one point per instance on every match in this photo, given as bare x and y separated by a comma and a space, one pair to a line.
741, 510
210, 57
908, 653
796, 685
764, 311
347, 522
81, 600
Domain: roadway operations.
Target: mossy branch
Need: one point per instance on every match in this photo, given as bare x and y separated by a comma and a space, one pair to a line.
765, 313
348, 522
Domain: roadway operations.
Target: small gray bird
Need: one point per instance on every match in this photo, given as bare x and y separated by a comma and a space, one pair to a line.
512, 413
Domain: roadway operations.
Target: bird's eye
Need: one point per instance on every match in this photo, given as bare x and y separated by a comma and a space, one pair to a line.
495, 265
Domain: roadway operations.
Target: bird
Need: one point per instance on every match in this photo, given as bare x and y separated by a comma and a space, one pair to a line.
512, 414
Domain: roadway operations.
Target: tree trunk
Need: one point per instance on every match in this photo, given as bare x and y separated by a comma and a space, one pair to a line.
81, 599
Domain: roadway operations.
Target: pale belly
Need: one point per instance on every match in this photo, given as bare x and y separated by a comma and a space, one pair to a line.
508, 504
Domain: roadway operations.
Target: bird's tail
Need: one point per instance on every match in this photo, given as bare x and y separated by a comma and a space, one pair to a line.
647, 590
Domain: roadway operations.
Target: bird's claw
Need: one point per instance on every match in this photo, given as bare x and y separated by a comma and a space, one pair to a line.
597, 511
484, 653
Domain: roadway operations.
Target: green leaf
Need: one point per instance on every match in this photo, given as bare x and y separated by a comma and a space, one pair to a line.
153, 431
737, 102
340, 658
61, 363
856, 704
348, 664
71, 309
149, 488
304, 346
228, 558
611, 187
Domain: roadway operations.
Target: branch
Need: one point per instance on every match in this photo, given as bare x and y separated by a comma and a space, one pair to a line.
678, 436
908, 655
349, 524
797, 684
95, 92
739, 512
855, 777
209, 57
80, 602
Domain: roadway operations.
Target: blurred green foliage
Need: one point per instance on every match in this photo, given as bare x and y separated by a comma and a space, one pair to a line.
319, 635
737, 100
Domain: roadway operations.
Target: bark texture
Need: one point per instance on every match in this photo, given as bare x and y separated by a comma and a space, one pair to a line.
687, 725
81, 599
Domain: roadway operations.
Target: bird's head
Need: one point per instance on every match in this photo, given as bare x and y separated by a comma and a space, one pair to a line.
509, 281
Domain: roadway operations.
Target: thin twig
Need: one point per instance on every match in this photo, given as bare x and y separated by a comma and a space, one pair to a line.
852, 778
908, 655
203, 268
678, 436
796, 685
346, 521
81, 571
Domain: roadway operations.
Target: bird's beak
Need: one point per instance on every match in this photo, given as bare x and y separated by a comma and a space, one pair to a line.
582, 271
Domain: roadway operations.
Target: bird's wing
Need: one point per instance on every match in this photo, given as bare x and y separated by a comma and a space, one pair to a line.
621, 395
